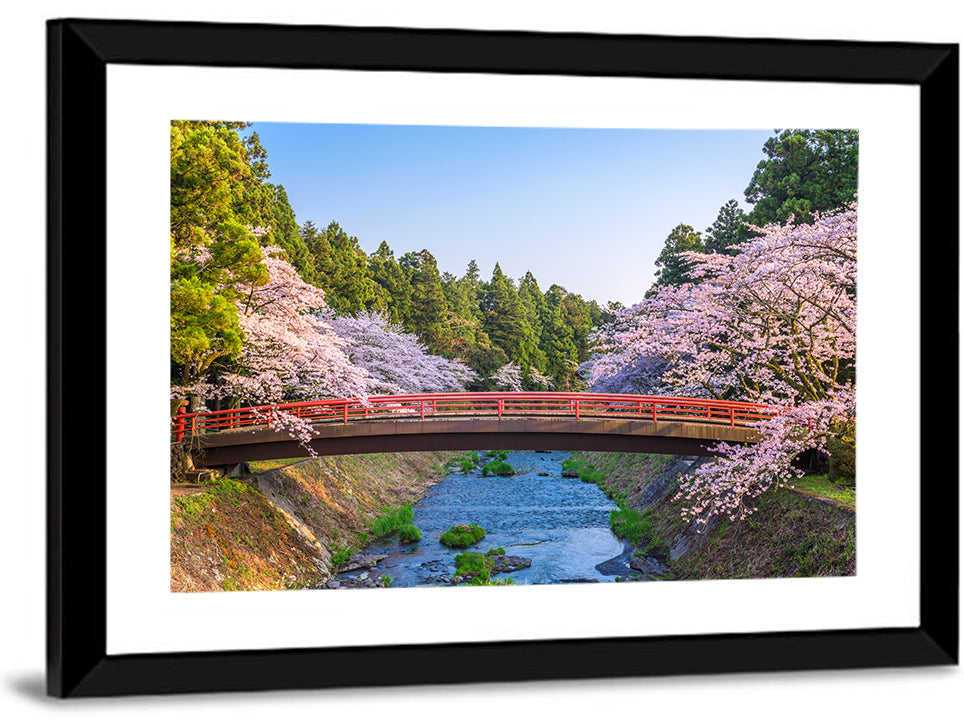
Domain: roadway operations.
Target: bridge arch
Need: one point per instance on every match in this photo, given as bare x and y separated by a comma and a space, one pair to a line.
480, 421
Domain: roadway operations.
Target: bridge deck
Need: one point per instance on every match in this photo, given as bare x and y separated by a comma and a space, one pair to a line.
460, 433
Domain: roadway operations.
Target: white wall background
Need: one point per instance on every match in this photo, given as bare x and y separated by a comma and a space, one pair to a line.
914, 693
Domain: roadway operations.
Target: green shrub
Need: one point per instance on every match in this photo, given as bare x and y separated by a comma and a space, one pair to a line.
498, 467
473, 565
495, 551
341, 556
409, 534
462, 535
630, 524
572, 463
591, 475
393, 520
843, 463
477, 569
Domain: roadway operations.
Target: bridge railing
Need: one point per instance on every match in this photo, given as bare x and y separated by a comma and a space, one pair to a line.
498, 404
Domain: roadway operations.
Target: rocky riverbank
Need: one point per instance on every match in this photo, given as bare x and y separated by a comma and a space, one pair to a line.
792, 534
279, 526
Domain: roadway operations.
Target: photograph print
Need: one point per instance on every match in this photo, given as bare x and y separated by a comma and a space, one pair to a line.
412, 355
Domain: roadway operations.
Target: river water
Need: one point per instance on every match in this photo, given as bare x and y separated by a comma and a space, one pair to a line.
562, 524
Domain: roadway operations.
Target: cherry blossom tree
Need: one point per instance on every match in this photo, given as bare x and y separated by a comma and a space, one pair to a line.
643, 376
289, 352
508, 377
774, 324
396, 362
542, 380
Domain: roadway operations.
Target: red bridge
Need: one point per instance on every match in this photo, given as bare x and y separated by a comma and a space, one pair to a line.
465, 421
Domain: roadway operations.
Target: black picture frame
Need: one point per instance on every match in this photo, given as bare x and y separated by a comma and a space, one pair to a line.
79, 52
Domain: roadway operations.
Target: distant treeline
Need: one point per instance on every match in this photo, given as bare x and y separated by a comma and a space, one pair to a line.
485, 323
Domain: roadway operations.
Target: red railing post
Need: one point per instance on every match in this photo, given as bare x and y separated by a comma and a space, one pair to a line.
421, 405
654, 411
501, 405
732, 418
344, 412
180, 422
577, 409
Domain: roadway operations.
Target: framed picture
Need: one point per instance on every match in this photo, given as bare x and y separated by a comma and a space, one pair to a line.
114, 624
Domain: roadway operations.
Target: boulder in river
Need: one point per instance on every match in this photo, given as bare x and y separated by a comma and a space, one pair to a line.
507, 564
359, 562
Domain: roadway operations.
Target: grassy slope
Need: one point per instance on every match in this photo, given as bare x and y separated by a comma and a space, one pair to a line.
279, 529
792, 534
227, 537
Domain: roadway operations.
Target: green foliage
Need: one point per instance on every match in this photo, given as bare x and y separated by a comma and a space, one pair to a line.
791, 536
473, 565
503, 317
477, 568
630, 524
391, 521
822, 485
843, 462
409, 534
393, 291
466, 461
585, 471
573, 463
342, 268
728, 229
672, 267
462, 535
342, 555
497, 467
558, 343
214, 189
591, 475
804, 171
429, 306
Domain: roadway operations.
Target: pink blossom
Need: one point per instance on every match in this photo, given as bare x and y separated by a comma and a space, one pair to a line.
775, 324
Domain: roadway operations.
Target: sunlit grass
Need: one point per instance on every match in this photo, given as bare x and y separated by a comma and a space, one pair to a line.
261, 466
820, 486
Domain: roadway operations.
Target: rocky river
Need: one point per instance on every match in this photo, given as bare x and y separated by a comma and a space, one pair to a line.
560, 524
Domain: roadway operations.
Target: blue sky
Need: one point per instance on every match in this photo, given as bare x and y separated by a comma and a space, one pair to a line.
588, 209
